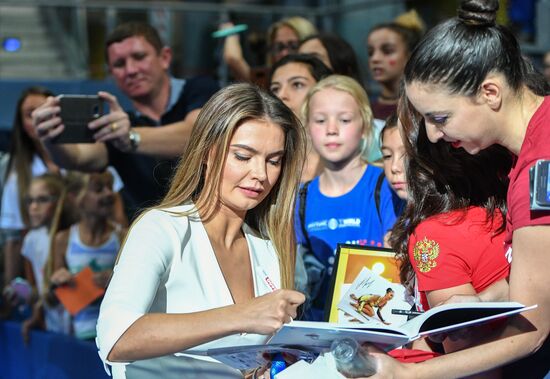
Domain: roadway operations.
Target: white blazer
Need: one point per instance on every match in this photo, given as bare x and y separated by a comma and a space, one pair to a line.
167, 265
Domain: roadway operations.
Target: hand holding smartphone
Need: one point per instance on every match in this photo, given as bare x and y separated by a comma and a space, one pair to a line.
76, 112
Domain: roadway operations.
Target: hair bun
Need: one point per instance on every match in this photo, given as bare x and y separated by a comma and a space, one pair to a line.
478, 12
411, 20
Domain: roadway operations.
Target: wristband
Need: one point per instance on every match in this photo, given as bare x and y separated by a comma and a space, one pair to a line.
229, 31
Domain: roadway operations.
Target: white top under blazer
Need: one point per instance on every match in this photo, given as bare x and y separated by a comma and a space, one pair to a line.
167, 265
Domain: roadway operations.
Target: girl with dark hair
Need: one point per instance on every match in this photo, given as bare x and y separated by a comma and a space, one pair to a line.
334, 51
389, 46
449, 239
393, 160
473, 89
292, 77
27, 158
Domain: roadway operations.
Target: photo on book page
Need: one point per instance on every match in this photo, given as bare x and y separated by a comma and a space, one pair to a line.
371, 298
350, 260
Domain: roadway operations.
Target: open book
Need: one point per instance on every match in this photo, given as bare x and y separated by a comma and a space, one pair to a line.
367, 315
368, 306
305, 339
445, 318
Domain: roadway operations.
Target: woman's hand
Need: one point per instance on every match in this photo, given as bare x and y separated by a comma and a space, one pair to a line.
266, 314
386, 366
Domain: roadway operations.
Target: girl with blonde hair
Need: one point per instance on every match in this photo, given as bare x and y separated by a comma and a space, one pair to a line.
44, 199
350, 201
212, 264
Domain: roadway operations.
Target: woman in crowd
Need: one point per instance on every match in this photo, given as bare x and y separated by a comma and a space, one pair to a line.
291, 79
339, 206
92, 242
44, 199
27, 158
389, 46
213, 263
334, 51
471, 85
283, 38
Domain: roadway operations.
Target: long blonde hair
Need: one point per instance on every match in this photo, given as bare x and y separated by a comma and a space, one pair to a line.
56, 187
229, 108
352, 87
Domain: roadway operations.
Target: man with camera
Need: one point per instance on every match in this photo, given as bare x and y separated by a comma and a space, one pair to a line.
141, 144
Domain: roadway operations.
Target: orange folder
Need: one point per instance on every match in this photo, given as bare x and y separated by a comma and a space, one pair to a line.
81, 293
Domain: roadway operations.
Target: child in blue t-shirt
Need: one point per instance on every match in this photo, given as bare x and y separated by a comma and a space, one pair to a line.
340, 204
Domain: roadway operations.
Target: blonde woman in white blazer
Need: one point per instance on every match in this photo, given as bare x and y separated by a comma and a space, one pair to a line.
213, 264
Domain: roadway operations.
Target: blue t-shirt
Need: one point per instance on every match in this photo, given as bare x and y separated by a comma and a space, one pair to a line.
351, 218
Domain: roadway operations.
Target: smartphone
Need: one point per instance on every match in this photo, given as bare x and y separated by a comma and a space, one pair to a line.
540, 198
76, 112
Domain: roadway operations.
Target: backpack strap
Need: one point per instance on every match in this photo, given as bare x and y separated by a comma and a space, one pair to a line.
377, 194
302, 212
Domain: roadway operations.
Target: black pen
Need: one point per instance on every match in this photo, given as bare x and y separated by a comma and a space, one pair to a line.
405, 312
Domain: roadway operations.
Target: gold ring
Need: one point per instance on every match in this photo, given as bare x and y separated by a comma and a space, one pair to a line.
114, 126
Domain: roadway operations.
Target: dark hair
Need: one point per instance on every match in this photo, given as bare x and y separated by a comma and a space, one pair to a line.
461, 52
411, 36
316, 67
391, 123
134, 29
341, 55
389, 290
441, 178
23, 148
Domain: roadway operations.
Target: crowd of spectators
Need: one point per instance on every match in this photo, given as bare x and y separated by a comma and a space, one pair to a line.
66, 208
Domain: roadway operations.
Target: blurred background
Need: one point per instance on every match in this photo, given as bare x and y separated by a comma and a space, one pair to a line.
61, 41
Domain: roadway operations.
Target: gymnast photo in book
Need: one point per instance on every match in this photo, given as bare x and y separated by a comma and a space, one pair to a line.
367, 303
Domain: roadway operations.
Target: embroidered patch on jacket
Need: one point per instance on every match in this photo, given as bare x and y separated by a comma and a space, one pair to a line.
425, 252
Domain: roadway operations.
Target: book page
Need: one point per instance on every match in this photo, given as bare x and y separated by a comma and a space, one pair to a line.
319, 335
450, 317
371, 298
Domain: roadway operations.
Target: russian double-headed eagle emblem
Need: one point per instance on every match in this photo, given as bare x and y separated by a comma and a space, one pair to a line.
425, 252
